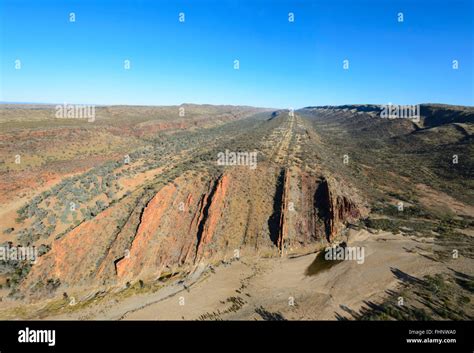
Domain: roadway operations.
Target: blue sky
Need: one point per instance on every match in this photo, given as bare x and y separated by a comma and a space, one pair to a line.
282, 64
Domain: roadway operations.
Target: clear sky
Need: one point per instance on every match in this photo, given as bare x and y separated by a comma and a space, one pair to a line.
282, 63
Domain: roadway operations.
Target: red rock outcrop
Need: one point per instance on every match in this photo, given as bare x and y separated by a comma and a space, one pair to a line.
74, 258
211, 214
335, 207
196, 219
174, 232
140, 259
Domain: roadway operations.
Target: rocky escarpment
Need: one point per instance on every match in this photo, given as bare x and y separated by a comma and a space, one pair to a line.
209, 216
193, 219
334, 209
284, 226
311, 209
198, 219
174, 232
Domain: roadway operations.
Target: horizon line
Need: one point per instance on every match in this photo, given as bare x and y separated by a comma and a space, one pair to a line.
233, 105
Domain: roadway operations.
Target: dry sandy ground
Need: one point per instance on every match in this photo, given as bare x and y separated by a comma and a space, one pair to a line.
270, 285
253, 288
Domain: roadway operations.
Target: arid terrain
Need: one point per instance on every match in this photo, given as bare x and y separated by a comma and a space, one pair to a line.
134, 216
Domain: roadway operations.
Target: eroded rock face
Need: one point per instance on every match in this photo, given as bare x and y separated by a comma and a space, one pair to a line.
145, 256
133, 240
173, 233
196, 220
323, 208
334, 208
75, 258
211, 214
284, 210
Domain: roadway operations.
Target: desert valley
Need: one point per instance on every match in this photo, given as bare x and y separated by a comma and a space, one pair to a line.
134, 215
